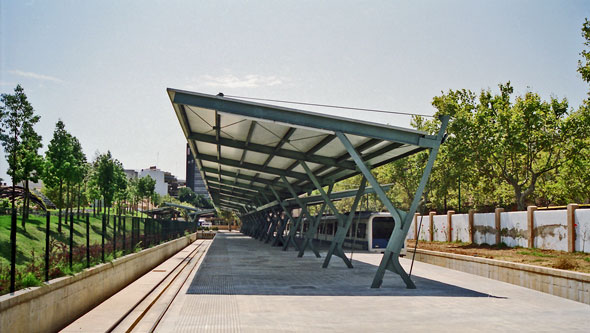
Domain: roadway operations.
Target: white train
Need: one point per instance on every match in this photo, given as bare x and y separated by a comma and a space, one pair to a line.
370, 231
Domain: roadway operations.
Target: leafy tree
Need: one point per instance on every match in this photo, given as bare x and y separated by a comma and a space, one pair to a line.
121, 186
514, 141
58, 161
186, 194
75, 171
147, 188
584, 65
20, 141
92, 190
30, 164
106, 177
133, 190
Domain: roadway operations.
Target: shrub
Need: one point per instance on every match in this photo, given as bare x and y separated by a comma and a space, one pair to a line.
29, 280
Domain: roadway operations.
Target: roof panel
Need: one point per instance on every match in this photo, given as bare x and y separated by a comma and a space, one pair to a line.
286, 135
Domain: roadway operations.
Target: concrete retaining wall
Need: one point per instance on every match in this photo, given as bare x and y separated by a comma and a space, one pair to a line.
56, 304
549, 228
567, 284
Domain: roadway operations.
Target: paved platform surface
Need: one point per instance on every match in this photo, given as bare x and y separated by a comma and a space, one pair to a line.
244, 285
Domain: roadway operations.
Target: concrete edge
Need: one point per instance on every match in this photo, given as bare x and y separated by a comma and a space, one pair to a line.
577, 276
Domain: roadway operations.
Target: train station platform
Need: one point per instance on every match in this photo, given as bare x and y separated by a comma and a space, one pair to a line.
245, 285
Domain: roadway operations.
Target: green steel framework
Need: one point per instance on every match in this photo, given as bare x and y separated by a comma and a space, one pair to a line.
259, 161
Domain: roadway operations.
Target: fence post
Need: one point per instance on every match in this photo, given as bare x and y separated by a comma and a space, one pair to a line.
471, 225
13, 227
47, 234
102, 234
87, 240
124, 234
498, 220
132, 233
571, 227
415, 226
71, 238
450, 225
115, 236
431, 221
530, 218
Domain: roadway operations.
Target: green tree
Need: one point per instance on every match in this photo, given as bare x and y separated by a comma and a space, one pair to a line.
107, 177
513, 141
185, 194
147, 187
20, 141
584, 64
58, 161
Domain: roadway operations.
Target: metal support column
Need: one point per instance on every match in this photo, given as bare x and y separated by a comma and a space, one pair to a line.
313, 227
390, 259
340, 236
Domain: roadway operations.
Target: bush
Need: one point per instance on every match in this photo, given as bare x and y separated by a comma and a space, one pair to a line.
29, 280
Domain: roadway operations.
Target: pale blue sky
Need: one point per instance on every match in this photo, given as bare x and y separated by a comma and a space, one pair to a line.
103, 66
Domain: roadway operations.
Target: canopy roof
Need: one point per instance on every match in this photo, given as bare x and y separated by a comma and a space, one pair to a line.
243, 149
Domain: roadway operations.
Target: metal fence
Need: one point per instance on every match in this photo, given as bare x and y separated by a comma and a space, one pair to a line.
119, 235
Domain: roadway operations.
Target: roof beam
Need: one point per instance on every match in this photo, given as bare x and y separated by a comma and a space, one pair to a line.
253, 167
305, 119
217, 136
308, 157
225, 190
232, 199
248, 178
240, 186
362, 147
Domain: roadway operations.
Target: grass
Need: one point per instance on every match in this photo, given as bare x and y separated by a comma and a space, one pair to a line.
536, 253
31, 242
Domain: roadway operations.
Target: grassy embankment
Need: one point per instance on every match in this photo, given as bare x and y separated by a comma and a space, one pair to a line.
32, 241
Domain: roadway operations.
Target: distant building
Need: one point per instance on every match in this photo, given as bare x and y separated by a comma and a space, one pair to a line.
172, 184
159, 176
194, 181
130, 173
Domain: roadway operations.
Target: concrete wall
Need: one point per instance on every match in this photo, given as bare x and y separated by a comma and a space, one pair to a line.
567, 284
514, 229
440, 228
53, 306
460, 229
549, 229
484, 225
582, 230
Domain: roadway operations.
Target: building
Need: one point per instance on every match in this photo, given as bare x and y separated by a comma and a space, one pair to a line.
159, 176
130, 173
172, 184
194, 181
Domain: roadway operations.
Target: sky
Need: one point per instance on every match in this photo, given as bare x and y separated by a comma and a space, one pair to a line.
103, 66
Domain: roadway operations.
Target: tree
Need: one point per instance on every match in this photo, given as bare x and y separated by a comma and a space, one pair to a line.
75, 171
31, 165
20, 141
186, 194
147, 187
121, 185
108, 177
133, 190
584, 65
58, 161
514, 141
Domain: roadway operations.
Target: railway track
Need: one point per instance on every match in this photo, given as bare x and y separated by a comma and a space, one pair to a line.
147, 313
